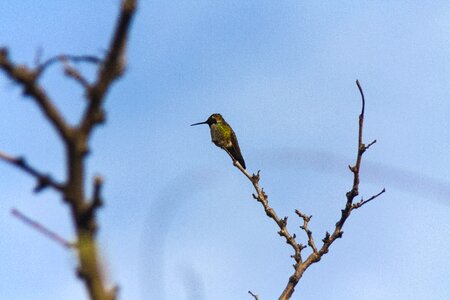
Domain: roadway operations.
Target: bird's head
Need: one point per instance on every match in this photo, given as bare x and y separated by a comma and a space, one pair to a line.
213, 119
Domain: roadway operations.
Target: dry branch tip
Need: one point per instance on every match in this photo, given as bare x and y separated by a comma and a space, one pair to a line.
253, 295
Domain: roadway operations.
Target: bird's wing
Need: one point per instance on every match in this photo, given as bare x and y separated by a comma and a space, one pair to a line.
235, 151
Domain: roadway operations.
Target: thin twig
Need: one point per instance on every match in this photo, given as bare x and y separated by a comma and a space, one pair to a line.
362, 98
26, 78
42, 229
97, 197
43, 180
75, 74
362, 202
111, 68
305, 228
64, 57
253, 295
96, 202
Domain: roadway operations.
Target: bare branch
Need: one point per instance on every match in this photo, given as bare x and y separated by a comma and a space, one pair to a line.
26, 78
362, 202
362, 98
112, 68
75, 74
76, 140
43, 181
305, 228
370, 144
42, 229
261, 197
62, 58
345, 213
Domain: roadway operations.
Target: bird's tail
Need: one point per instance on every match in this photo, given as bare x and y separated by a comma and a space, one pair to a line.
236, 153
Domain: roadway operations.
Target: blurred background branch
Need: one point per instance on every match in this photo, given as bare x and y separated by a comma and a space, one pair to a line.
76, 142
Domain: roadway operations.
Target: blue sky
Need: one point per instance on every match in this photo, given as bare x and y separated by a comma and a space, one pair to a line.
179, 220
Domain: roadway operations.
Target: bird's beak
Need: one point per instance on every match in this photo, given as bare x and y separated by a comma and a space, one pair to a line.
206, 122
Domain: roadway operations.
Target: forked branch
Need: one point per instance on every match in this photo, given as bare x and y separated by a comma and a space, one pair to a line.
76, 141
27, 79
301, 265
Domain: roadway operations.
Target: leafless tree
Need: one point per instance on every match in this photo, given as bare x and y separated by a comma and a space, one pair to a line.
302, 263
75, 139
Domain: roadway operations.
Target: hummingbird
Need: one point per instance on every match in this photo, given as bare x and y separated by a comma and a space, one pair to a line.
223, 136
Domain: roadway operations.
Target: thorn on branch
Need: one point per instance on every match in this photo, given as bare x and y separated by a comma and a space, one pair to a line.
326, 239
370, 144
96, 198
255, 177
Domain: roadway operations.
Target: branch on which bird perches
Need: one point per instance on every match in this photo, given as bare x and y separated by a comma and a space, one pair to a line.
261, 197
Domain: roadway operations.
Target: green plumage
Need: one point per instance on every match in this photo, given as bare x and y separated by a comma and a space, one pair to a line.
223, 136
